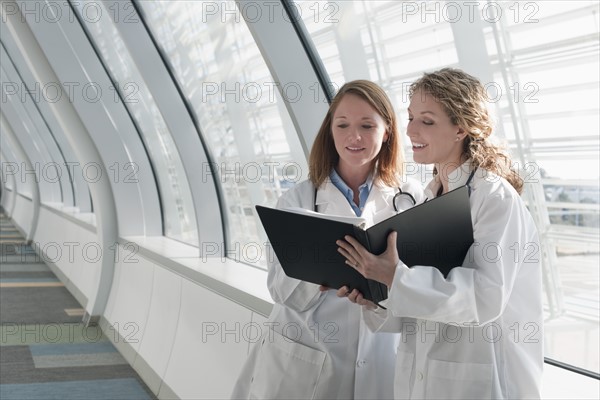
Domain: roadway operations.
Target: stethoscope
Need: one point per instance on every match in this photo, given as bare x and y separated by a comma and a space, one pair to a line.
405, 198
408, 200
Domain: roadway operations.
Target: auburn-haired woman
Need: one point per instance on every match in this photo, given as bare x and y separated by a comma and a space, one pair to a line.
329, 353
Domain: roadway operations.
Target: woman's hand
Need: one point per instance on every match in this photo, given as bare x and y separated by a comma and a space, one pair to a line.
355, 297
380, 268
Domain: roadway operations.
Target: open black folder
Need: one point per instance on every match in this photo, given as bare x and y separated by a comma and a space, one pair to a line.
437, 233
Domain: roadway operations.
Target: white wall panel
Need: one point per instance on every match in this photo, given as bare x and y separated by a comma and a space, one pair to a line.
132, 297
111, 304
46, 236
72, 249
84, 259
209, 346
558, 383
7, 177
159, 335
23, 214
8, 200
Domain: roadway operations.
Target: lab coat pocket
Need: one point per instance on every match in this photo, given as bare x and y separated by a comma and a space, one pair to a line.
458, 380
404, 367
286, 369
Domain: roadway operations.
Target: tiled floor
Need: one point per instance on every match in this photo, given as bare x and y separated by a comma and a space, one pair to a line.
45, 350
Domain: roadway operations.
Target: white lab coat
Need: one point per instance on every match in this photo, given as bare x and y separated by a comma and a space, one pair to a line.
478, 333
319, 346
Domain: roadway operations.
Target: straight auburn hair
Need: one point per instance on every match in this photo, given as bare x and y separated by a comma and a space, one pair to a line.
389, 163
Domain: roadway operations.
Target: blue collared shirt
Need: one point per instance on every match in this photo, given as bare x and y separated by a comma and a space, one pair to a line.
363, 191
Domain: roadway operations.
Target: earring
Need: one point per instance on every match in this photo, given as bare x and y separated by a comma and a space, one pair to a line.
457, 139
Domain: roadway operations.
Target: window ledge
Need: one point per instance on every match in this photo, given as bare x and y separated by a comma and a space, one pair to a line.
239, 282
86, 220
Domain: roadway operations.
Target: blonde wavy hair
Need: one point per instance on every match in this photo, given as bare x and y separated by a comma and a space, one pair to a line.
464, 99
389, 163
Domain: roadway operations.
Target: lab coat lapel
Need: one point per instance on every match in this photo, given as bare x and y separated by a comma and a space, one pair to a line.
331, 201
379, 204
377, 208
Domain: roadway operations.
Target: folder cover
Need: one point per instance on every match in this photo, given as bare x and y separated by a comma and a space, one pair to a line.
436, 233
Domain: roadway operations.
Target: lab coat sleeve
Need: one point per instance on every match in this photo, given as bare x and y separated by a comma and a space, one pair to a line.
293, 293
477, 291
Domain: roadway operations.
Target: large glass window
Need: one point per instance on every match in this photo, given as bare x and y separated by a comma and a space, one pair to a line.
241, 115
177, 207
543, 58
8, 162
41, 159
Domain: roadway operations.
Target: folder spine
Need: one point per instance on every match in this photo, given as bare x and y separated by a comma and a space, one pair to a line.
375, 287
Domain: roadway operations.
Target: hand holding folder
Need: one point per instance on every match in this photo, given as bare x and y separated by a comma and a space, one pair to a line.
437, 233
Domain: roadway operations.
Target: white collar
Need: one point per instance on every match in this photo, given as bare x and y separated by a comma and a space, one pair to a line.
456, 178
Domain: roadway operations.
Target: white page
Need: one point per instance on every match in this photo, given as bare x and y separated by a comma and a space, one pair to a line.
357, 221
